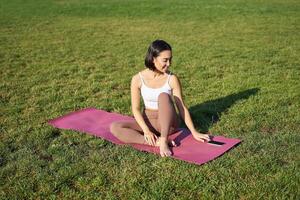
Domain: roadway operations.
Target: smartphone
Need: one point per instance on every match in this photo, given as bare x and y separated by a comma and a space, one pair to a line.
216, 143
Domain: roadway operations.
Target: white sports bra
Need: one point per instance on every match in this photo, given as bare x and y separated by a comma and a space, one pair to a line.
150, 95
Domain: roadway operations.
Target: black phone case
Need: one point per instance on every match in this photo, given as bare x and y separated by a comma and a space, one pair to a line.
216, 143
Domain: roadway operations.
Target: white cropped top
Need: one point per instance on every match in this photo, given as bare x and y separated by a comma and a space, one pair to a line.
150, 95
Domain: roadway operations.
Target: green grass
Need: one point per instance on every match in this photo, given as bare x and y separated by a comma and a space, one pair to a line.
238, 62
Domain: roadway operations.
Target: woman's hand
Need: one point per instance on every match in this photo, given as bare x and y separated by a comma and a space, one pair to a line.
150, 138
200, 136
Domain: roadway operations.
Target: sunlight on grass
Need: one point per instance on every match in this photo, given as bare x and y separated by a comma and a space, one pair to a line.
239, 67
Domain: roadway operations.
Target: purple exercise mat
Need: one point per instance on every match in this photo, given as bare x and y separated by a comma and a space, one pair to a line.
96, 122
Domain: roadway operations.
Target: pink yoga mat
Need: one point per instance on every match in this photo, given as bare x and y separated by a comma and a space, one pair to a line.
96, 122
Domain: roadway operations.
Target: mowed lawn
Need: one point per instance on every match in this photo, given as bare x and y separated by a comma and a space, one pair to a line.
239, 65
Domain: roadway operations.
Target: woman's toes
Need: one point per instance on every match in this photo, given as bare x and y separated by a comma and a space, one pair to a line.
164, 149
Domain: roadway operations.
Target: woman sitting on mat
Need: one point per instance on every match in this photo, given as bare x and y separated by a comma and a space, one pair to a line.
157, 86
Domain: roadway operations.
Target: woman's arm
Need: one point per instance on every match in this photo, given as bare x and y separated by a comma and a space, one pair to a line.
183, 111
136, 110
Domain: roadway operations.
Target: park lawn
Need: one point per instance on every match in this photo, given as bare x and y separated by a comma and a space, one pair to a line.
238, 62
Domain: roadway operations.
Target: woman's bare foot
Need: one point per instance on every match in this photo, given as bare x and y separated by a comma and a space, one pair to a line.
171, 143
164, 149
164, 146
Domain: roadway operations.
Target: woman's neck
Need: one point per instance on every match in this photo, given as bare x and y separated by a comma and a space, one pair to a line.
155, 73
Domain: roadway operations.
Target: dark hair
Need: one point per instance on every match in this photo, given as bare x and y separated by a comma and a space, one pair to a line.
154, 50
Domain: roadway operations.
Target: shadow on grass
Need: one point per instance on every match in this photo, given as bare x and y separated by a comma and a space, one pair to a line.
204, 115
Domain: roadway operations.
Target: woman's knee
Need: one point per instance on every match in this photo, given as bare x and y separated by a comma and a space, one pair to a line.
115, 127
164, 97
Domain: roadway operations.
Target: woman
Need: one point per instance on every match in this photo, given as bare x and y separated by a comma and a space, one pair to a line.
157, 86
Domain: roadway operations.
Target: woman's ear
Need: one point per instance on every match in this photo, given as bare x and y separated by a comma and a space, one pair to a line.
154, 60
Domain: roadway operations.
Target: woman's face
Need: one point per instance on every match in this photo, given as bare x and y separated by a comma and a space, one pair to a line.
163, 61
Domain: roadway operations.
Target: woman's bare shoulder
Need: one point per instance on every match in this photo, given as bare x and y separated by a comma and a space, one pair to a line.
174, 80
136, 80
